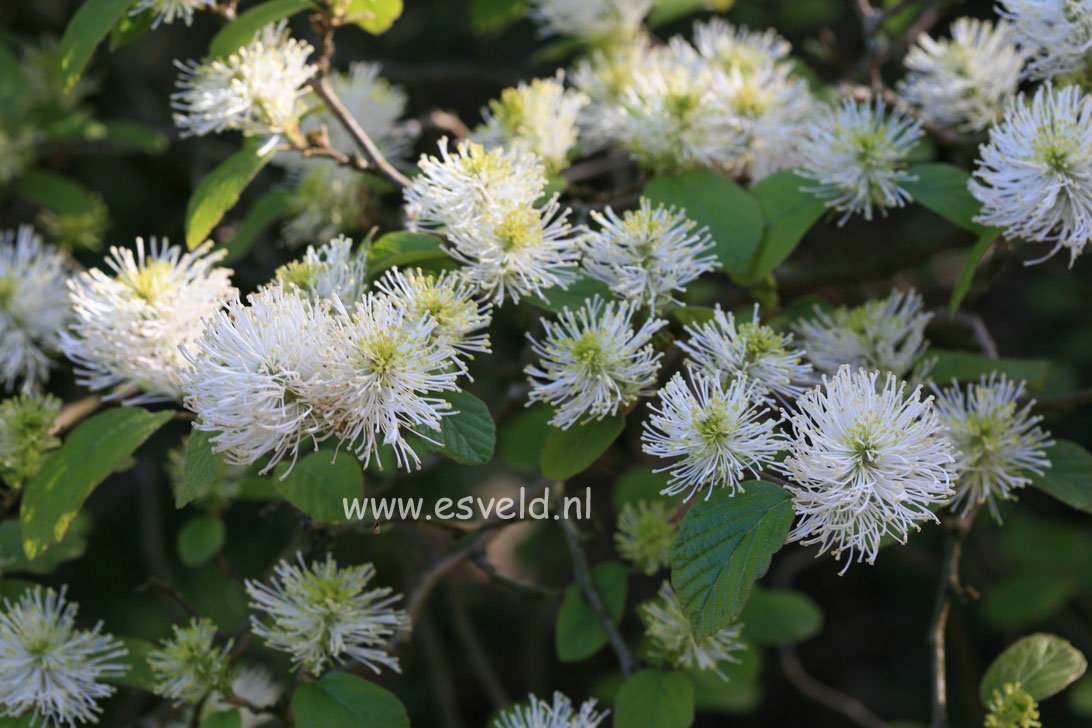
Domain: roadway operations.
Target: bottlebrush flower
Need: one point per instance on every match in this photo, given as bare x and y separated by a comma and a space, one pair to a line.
673, 641
559, 714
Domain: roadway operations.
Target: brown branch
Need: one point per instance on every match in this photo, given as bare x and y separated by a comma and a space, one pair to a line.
848, 706
165, 588
479, 559
583, 578
476, 654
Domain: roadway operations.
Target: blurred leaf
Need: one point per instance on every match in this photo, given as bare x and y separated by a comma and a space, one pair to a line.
965, 367
942, 188
130, 27
1079, 696
491, 16
14, 92
521, 438
241, 31
724, 544
220, 189
985, 240
639, 483
573, 296
579, 633
267, 209
694, 315
733, 216
317, 486
374, 16
63, 195
227, 719
780, 617
12, 589
1043, 664
1025, 598
139, 675
655, 699
470, 436
738, 691
199, 467
568, 452
88, 27
13, 560
666, 11
1069, 477
341, 700
402, 248
133, 134
200, 539
789, 214
92, 451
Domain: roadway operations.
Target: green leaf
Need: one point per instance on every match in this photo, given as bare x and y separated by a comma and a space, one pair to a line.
267, 209
14, 91
61, 194
738, 692
88, 27
469, 436
733, 216
403, 248
1069, 477
567, 452
943, 189
655, 699
133, 134
200, 539
241, 31
789, 213
694, 315
227, 719
139, 675
573, 296
199, 467
780, 617
491, 16
1026, 598
724, 544
579, 633
13, 560
985, 240
665, 11
317, 486
964, 367
341, 700
1079, 697
374, 16
92, 451
130, 27
521, 438
220, 190
1043, 664
638, 484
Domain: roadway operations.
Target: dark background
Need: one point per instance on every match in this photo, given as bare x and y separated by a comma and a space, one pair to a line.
1035, 574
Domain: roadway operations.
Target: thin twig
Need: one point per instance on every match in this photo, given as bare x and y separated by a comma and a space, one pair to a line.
848, 706
476, 654
479, 559
322, 88
583, 577
160, 585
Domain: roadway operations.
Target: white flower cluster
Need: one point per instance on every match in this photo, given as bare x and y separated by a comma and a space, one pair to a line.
559, 714
540, 116
1056, 33
647, 256
485, 203
856, 154
50, 671
333, 272
965, 82
258, 89
322, 614
283, 367
591, 20
138, 325
167, 10
1033, 176
33, 308
593, 362
729, 101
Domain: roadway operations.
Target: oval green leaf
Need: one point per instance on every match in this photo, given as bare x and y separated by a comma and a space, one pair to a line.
470, 435
318, 486
341, 700
199, 467
964, 366
241, 31
88, 27
374, 16
200, 539
579, 633
780, 617
724, 544
568, 452
655, 699
1043, 664
789, 213
733, 216
403, 248
267, 209
942, 188
1069, 477
92, 451
220, 189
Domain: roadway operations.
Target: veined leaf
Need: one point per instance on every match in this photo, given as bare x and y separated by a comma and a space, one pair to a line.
568, 452
789, 213
1043, 664
220, 190
341, 700
88, 27
655, 699
1069, 477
